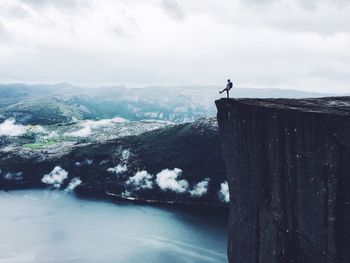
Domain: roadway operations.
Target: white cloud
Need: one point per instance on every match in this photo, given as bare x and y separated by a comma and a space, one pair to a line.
10, 128
37, 129
118, 169
200, 189
4, 34
141, 180
44, 3
55, 177
168, 180
224, 194
274, 43
73, 184
88, 126
83, 132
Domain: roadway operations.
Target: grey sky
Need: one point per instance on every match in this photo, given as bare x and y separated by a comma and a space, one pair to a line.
301, 44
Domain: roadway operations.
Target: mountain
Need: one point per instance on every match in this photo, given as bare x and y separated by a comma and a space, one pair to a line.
150, 144
50, 104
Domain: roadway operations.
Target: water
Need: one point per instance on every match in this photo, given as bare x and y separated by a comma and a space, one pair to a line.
45, 226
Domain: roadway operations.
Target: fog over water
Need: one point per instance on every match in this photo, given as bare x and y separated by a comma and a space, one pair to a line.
52, 226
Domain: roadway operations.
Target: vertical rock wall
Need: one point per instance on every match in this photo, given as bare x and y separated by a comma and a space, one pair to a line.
288, 168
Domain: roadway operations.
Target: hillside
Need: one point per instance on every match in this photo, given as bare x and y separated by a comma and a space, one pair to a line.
50, 104
176, 163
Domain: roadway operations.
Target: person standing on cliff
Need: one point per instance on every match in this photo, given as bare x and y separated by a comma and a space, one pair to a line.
228, 87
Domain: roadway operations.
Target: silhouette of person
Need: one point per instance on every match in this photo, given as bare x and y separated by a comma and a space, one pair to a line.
228, 87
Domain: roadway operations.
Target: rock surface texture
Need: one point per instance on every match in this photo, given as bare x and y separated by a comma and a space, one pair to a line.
288, 168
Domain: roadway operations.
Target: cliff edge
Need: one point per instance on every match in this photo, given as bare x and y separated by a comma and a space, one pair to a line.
288, 169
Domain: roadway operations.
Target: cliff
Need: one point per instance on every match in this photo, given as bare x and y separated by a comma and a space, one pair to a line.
288, 168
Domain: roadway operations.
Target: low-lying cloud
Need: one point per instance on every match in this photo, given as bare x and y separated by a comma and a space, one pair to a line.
168, 180
10, 128
88, 126
140, 181
83, 132
224, 194
118, 169
200, 189
56, 177
73, 184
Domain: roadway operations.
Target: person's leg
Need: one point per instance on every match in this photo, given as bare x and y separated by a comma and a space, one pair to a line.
227, 93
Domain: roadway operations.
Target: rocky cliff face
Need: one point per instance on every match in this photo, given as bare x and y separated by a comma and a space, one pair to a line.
288, 168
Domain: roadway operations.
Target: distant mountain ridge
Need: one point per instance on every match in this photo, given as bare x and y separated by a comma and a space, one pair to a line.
63, 102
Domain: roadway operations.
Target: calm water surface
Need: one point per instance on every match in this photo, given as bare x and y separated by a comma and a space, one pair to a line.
45, 226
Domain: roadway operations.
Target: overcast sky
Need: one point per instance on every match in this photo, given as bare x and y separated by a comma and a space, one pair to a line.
300, 44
